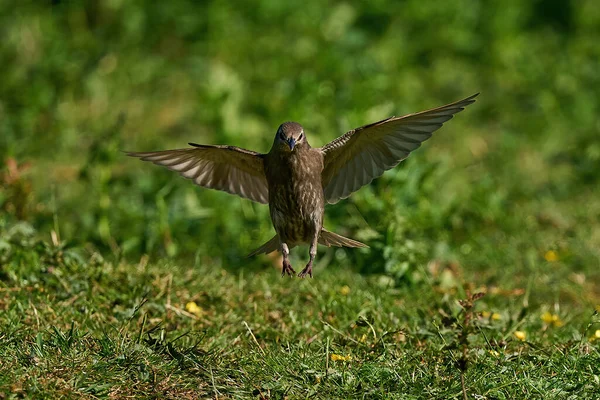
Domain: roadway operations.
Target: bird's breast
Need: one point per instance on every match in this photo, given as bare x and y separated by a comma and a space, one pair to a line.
296, 199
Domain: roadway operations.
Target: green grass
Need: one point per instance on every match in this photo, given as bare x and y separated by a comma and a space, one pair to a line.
120, 279
76, 325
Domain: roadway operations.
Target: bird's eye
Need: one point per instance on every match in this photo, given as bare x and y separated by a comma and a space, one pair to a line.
281, 135
300, 137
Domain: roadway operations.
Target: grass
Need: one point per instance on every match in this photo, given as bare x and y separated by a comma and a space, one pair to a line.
79, 326
119, 279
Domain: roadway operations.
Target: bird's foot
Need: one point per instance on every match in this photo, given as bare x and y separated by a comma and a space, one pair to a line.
306, 271
287, 269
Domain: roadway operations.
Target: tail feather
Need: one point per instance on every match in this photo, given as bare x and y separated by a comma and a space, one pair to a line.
268, 247
326, 238
329, 239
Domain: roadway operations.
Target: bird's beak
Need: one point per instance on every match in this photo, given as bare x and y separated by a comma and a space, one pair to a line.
291, 142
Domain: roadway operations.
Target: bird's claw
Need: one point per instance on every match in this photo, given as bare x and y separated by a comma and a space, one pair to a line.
306, 271
287, 269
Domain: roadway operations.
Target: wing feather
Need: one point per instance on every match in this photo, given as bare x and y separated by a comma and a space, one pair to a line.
363, 154
227, 168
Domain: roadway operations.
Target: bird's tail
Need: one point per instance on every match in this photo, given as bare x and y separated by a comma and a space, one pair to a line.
329, 239
268, 247
326, 238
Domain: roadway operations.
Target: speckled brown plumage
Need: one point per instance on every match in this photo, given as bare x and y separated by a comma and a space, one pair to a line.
296, 201
297, 180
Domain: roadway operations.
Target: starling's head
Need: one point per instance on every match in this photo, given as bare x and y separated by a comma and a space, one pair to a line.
290, 135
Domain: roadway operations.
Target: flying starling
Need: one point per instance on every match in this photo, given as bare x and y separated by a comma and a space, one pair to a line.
297, 180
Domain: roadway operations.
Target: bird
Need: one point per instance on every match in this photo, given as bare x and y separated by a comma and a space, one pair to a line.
297, 180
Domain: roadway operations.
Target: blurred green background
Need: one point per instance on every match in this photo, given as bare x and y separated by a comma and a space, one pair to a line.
507, 189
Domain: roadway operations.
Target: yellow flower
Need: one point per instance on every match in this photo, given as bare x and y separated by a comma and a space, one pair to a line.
494, 353
193, 308
494, 316
345, 290
551, 256
552, 319
520, 335
595, 336
337, 357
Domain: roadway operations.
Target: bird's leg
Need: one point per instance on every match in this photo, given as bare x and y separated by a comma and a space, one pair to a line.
313, 252
286, 268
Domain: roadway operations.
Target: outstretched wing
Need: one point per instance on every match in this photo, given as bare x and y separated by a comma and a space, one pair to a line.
227, 168
363, 154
